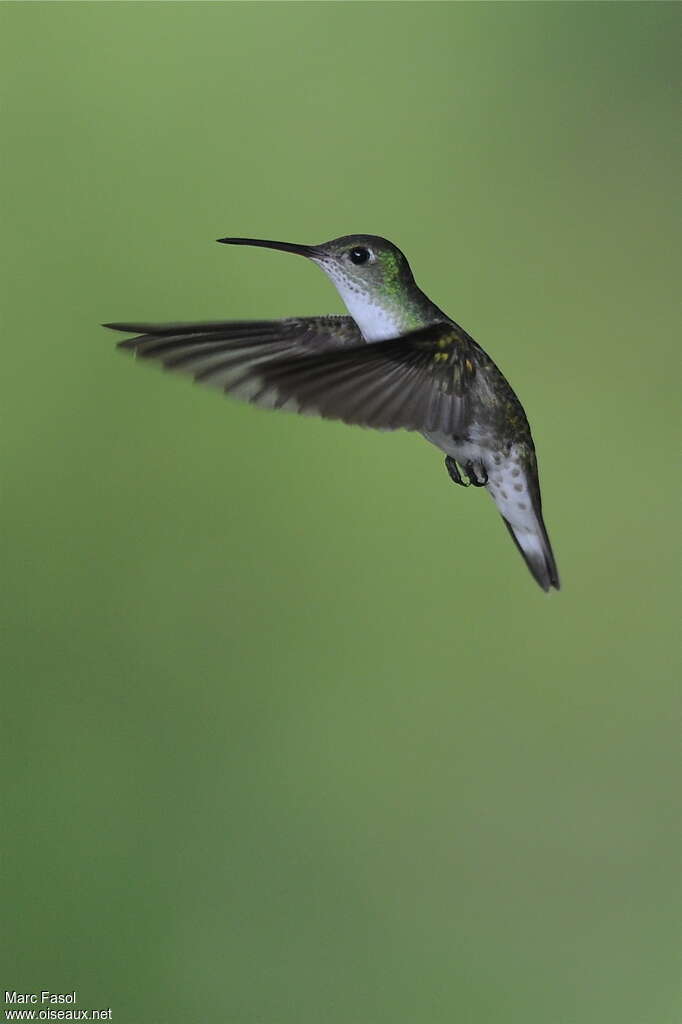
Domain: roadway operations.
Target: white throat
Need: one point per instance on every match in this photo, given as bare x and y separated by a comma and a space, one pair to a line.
375, 322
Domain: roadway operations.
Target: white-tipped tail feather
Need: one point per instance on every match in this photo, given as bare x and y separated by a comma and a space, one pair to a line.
536, 551
517, 496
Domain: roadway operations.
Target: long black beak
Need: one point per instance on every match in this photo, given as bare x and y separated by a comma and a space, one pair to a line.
310, 251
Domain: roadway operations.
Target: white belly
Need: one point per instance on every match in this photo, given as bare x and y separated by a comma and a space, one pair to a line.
507, 479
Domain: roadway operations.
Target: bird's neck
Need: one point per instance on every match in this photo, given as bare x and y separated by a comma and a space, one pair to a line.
380, 317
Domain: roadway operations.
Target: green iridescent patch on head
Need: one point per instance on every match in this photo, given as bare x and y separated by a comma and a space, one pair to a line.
389, 265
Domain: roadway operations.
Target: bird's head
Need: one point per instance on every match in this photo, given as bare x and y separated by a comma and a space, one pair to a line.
371, 275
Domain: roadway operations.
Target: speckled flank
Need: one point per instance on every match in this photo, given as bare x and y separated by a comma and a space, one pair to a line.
512, 484
508, 487
508, 484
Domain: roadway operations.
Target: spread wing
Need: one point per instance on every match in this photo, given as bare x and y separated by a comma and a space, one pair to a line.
188, 346
428, 380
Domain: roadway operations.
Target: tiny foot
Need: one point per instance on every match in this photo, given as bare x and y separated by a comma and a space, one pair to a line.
477, 481
453, 470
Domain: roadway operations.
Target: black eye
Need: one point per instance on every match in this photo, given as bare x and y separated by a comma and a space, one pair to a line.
359, 255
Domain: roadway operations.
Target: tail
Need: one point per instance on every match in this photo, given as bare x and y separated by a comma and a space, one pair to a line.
536, 551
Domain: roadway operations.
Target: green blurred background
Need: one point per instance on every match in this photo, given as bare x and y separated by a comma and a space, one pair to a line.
291, 735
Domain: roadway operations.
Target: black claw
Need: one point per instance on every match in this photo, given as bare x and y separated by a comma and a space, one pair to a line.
473, 478
453, 470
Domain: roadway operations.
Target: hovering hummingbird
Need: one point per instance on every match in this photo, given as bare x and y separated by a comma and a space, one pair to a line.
396, 362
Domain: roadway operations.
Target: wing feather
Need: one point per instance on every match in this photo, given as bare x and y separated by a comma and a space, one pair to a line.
423, 380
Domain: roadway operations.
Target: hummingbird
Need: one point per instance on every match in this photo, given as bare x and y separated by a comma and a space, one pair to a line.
396, 362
